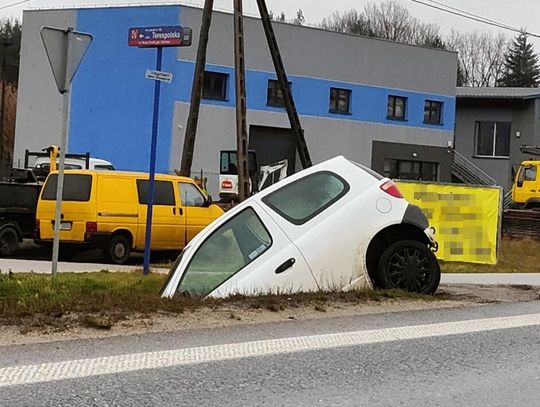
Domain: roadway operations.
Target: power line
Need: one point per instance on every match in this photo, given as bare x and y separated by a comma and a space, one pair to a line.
465, 14
13, 4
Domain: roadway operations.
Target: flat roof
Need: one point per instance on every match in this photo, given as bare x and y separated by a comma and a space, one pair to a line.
223, 11
497, 93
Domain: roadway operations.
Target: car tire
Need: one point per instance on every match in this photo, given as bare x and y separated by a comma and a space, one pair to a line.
411, 266
9, 241
118, 249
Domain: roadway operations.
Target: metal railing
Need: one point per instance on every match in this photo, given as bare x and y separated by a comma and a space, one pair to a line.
507, 200
468, 172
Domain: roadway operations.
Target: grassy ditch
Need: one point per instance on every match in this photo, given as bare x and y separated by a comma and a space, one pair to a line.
515, 256
99, 300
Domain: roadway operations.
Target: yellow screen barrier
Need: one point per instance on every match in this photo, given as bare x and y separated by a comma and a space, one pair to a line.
466, 218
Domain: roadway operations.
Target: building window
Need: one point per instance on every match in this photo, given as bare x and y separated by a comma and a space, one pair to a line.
493, 139
340, 100
275, 95
396, 107
411, 170
215, 85
432, 112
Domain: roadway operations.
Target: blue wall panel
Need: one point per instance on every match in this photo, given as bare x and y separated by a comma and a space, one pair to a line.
368, 103
111, 105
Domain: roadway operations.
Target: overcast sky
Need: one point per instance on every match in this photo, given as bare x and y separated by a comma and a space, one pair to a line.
519, 13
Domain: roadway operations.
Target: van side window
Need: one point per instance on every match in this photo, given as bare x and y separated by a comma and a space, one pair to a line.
190, 195
164, 192
77, 188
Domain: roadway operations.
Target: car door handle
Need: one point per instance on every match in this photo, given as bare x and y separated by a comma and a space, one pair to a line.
285, 266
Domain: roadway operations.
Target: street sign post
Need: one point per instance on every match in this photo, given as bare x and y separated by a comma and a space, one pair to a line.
156, 37
65, 50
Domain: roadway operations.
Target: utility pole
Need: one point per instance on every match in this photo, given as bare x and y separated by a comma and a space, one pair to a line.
196, 91
241, 127
294, 119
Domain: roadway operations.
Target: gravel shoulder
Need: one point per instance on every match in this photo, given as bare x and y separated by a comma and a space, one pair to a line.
68, 327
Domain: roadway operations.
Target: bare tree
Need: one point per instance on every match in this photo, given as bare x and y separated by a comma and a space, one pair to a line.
481, 57
388, 20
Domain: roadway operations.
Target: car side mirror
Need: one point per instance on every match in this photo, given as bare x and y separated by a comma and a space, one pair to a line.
208, 202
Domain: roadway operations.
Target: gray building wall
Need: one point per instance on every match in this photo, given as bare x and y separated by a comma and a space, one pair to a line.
39, 105
317, 53
524, 116
327, 138
307, 53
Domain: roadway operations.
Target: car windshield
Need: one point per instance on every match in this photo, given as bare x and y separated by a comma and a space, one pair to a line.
233, 246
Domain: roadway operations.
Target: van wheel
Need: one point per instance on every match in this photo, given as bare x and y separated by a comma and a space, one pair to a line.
411, 266
9, 241
118, 250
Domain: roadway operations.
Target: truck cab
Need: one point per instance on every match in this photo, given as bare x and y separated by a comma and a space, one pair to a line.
526, 187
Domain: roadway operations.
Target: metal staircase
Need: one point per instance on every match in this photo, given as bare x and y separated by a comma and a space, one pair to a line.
467, 172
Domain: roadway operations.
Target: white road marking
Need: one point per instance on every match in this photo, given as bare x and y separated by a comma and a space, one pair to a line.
74, 369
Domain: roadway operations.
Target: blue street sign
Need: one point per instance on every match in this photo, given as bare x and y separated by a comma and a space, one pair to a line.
168, 36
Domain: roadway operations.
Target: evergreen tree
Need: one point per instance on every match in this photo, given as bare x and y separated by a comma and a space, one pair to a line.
300, 19
10, 45
521, 64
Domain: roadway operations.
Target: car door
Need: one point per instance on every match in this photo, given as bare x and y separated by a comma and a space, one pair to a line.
165, 230
247, 253
195, 215
526, 184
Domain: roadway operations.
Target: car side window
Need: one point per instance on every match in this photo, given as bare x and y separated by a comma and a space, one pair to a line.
302, 200
234, 245
190, 195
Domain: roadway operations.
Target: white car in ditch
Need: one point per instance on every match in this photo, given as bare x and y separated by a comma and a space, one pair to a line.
336, 225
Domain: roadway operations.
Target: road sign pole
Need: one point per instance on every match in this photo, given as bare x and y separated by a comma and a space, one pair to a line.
61, 167
153, 152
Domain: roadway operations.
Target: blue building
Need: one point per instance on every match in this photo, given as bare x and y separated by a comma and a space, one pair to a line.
387, 105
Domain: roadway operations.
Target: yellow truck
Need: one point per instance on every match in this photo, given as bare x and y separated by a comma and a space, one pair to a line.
107, 210
526, 186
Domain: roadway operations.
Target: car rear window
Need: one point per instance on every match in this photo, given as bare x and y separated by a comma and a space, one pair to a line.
163, 192
77, 188
303, 199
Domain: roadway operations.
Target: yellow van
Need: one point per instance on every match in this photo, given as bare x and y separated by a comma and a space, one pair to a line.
107, 210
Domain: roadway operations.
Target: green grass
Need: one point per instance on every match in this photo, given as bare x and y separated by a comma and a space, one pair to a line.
515, 256
101, 299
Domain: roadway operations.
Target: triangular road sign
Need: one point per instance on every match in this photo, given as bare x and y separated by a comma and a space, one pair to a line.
65, 49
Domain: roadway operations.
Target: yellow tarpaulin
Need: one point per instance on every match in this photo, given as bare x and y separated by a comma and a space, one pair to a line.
466, 218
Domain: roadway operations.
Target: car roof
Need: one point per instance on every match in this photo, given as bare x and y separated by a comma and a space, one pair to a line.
128, 174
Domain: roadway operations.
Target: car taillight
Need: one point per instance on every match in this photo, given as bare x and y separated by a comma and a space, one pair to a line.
91, 227
37, 224
390, 188
226, 184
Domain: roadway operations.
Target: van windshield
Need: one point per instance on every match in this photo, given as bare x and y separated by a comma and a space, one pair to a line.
77, 188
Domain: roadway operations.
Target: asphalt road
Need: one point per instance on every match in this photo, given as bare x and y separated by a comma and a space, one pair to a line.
480, 356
